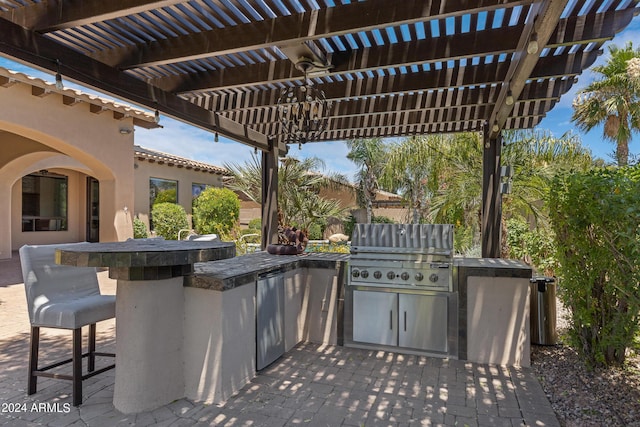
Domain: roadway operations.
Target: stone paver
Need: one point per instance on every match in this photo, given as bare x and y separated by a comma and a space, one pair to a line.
312, 385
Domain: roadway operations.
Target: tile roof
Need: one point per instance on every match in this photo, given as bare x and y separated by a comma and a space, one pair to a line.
140, 117
173, 160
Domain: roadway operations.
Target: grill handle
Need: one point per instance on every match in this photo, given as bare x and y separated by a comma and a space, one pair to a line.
391, 319
405, 321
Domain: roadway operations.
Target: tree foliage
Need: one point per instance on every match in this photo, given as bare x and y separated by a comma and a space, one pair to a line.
412, 169
370, 156
300, 203
168, 220
458, 199
596, 219
216, 211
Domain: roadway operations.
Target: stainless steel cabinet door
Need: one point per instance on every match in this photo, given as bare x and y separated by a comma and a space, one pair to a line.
423, 322
269, 320
375, 317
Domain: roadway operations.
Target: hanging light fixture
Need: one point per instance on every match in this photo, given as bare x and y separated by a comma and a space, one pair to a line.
532, 46
303, 111
59, 84
509, 100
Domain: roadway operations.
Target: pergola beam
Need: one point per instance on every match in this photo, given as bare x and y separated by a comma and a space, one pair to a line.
295, 29
475, 75
44, 53
417, 52
573, 30
525, 66
47, 16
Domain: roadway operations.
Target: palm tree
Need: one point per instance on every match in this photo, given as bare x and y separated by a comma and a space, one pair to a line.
458, 199
299, 185
535, 155
412, 169
612, 100
369, 156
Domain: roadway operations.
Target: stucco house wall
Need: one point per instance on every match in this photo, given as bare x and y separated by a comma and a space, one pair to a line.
155, 164
74, 134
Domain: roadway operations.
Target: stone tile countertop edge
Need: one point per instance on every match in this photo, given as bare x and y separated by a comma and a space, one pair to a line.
230, 273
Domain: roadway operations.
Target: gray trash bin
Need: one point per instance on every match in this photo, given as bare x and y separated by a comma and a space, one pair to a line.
543, 311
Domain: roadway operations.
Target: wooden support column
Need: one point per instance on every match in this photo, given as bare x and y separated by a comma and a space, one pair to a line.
270, 195
491, 197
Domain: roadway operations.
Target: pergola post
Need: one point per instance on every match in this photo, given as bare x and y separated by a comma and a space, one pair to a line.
491, 198
270, 195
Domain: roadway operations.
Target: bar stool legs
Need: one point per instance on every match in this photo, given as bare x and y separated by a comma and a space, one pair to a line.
76, 362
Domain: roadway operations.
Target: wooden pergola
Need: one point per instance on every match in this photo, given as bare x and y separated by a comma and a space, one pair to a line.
391, 68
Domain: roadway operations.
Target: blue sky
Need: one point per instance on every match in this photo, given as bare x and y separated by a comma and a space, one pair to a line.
187, 141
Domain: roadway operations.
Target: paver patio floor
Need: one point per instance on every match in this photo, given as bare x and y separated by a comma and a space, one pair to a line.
312, 385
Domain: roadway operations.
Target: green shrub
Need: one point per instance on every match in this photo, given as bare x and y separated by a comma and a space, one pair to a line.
166, 196
216, 210
139, 229
168, 220
254, 227
255, 224
348, 225
535, 247
382, 220
315, 231
596, 217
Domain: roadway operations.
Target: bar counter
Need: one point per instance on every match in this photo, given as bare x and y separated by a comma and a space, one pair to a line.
149, 312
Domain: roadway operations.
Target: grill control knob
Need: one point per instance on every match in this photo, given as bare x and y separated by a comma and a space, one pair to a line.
433, 278
419, 277
377, 274
391, 275
355, 273
404, 276
364, 274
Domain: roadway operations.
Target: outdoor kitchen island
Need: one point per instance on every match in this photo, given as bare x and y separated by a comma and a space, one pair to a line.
223, 339
220, 331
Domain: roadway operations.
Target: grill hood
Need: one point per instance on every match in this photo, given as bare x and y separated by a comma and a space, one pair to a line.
402, 238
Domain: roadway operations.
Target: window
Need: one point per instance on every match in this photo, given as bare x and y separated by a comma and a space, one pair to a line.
196, 189
162, 191
44, 202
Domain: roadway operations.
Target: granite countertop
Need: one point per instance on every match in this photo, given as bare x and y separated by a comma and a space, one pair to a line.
233, 272
143, 253
144, 259
493, 267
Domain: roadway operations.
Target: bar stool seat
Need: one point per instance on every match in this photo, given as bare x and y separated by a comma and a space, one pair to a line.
63, 297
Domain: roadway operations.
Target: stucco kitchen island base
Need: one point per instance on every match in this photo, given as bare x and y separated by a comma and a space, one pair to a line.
149, 359
494, 311
220, 316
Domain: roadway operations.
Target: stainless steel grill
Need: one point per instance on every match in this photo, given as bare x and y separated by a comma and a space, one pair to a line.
401, 291
403, 255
